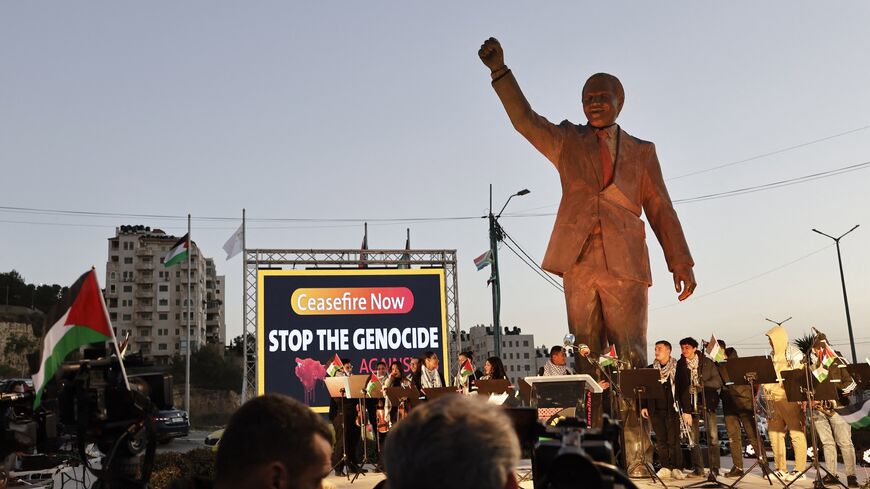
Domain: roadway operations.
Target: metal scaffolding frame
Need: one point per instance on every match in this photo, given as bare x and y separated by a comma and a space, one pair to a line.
331, 259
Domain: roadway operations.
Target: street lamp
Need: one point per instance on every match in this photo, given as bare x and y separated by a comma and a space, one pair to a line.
778, 323
495, 235
843, 282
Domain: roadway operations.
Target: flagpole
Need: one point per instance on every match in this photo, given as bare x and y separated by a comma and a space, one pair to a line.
187, 359
244, 328
112, 330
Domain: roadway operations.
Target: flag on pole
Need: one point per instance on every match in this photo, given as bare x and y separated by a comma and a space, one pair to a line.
714, 351
483, 260
608, 358
374, 384
233, 246
85, 322
178, 252
466, 369
363, 247
334, 367
827, 355
857, 415
405, 260
122, 348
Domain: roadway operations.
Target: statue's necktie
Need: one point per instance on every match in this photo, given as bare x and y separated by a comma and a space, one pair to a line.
606, 159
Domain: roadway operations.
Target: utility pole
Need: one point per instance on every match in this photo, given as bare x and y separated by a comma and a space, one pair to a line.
843, 283
495, 235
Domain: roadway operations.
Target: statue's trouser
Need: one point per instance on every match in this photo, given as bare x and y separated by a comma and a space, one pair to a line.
787, 414
735, 438
605, 310
834, 432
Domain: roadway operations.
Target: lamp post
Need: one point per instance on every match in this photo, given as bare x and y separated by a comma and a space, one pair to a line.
778, 323
495, 235
843, 282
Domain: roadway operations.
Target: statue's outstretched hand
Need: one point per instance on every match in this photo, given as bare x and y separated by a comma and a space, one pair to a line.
491, 54
684, 281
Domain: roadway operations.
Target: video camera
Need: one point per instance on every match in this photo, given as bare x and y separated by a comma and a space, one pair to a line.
576, 455
90, 400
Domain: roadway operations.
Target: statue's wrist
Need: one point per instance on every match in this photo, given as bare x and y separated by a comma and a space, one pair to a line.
499, 70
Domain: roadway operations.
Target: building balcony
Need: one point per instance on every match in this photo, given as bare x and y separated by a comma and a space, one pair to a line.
144, 294
144, 252
145, 265
143, 322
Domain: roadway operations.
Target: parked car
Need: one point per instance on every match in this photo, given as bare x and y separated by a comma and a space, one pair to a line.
170, 424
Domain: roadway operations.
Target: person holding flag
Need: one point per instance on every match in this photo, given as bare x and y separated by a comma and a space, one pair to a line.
466, 374
832, 429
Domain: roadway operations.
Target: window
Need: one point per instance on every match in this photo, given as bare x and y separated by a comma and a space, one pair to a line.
112, 275
177, 331
163, 317
128, 260
177, 317
178, 274
128, 288
163, 302
528, 368
177, 302
115, 258
126, 317
115, 245
162, 346
525, 355
163, 288
112, 288
178, 288
525, 342
113, 316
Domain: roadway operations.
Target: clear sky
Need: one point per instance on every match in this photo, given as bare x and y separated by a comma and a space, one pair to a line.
383, 110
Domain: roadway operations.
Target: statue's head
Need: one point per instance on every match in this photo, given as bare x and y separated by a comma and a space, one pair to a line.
603, 97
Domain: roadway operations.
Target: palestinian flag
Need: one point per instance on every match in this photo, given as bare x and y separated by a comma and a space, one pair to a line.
178, 252
714, 351
827, 355
857, 415
483, 260
334, 367
466, 369
820, 373
374, 384
86, 321
608, 358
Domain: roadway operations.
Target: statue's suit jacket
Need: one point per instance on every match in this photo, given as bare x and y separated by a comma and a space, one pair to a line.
637, 185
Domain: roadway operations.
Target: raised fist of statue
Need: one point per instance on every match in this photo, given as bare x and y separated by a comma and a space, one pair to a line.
491, 54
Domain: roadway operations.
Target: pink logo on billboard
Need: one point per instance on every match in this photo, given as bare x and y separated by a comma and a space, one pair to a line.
309, 371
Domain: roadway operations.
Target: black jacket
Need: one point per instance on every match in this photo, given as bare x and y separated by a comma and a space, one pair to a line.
710, 379
666, 404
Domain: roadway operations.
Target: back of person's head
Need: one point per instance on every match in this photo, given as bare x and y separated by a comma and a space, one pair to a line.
273, 438
454, 441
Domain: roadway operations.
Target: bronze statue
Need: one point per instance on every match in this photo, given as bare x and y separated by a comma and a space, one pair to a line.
598, 243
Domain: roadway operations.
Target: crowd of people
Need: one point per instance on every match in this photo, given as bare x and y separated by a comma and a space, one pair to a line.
455, 441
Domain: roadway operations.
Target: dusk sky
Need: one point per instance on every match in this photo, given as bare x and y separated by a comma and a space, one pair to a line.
365, 111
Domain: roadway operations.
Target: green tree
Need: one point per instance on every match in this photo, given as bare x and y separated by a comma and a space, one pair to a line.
209, 370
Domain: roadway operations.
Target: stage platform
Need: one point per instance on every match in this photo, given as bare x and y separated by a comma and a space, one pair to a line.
751, 481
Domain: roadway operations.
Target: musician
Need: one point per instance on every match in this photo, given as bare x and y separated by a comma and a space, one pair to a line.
557, 364
697, 389
343, 415
493, 369
832, 429
396, 378
464, 381
413, 369
737, 407
782, 414
663, 415
373, 404
429, 376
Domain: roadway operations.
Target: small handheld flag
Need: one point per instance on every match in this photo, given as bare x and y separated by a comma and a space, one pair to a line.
374, 384
714, 351
334, 367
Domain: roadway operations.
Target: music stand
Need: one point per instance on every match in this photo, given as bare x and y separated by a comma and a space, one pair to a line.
753, 371
525, 391
801, 385
644, 384
433, 393
338, 388
357, 390
403, 397
496, 386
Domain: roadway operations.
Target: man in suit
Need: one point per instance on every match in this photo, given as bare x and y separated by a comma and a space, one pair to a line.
598, 243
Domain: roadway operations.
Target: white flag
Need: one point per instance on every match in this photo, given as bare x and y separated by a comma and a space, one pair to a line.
233, 246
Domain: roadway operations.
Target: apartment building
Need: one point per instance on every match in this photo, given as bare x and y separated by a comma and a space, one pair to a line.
150, 301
